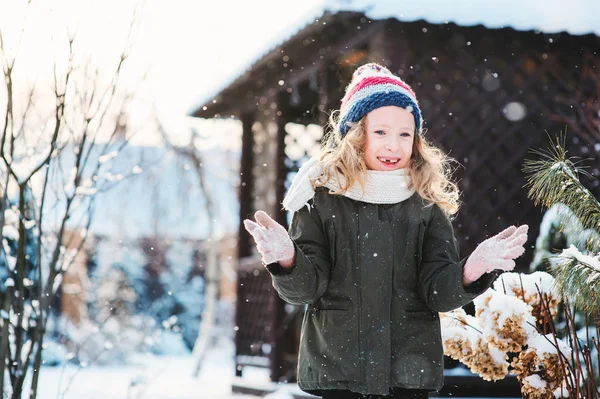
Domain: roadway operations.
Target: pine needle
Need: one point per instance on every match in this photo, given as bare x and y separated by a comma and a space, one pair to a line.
579, 282
554, 179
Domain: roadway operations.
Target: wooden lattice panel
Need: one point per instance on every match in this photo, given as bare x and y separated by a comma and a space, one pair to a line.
488, 105
264, 168
255, 308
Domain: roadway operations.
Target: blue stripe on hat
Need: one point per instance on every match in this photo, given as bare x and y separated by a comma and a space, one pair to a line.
378, 100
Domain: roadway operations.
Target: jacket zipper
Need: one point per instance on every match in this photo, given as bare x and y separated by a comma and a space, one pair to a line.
361, 360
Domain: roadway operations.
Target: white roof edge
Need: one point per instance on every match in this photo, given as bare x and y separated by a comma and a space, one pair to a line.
576, 17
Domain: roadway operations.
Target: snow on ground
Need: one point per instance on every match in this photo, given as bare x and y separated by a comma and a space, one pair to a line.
167, 377
151, 377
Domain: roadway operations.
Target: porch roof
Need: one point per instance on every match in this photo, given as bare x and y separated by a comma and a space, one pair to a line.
577, 17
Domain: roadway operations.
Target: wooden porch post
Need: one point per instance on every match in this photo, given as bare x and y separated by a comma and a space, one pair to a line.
283, 108
324, 98
246, 184
246, 188
281, 343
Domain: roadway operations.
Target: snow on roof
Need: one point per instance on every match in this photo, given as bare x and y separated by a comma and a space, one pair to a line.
576, 17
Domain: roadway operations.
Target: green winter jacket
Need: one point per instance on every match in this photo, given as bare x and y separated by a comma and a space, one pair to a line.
374, 278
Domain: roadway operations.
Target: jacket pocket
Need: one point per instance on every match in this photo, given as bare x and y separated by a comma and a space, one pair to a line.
336, 344
410, 301
327, 308
416, 309
421, 314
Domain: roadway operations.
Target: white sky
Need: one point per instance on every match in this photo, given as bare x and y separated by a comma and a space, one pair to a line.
189, 48
196, 46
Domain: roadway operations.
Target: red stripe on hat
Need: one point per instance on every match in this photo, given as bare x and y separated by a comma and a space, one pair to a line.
374, 80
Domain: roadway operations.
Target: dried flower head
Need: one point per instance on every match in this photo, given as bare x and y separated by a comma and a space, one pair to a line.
459, 331
488, 362
539, 368
531, 288
506, 321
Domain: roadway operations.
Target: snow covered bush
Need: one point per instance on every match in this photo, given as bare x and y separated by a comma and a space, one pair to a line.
513, 332
141, 295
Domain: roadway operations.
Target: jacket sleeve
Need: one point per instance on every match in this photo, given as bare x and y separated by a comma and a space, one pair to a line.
441, 271
306, 281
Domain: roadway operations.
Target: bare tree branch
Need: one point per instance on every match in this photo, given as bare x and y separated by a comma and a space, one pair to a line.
98, 108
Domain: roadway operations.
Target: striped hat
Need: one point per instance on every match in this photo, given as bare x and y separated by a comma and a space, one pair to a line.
374, 86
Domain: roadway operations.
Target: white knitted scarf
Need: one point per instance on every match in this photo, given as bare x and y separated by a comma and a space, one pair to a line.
381, 187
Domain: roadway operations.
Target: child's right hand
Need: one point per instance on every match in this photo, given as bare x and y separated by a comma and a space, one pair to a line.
496, 253
272, 240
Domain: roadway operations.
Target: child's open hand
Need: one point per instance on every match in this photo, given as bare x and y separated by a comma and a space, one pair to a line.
272, 240
496, 253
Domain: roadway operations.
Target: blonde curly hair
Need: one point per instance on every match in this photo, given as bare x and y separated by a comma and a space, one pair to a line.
430, 169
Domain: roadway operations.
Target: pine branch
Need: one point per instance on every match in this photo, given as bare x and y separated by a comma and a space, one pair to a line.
554, 179
578, 279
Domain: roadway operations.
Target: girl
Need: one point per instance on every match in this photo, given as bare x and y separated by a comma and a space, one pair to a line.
371, 249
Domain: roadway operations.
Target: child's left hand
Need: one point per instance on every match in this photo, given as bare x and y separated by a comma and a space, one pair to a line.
496, 253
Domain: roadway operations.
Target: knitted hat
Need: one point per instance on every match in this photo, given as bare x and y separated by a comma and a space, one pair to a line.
374, 86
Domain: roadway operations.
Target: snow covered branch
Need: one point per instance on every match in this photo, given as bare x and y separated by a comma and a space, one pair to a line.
50, 172
513, 331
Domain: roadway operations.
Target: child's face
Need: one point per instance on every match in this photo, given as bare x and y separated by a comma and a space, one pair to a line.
390, 134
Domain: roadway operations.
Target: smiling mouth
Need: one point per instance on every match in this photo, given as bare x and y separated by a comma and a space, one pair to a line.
389, 161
